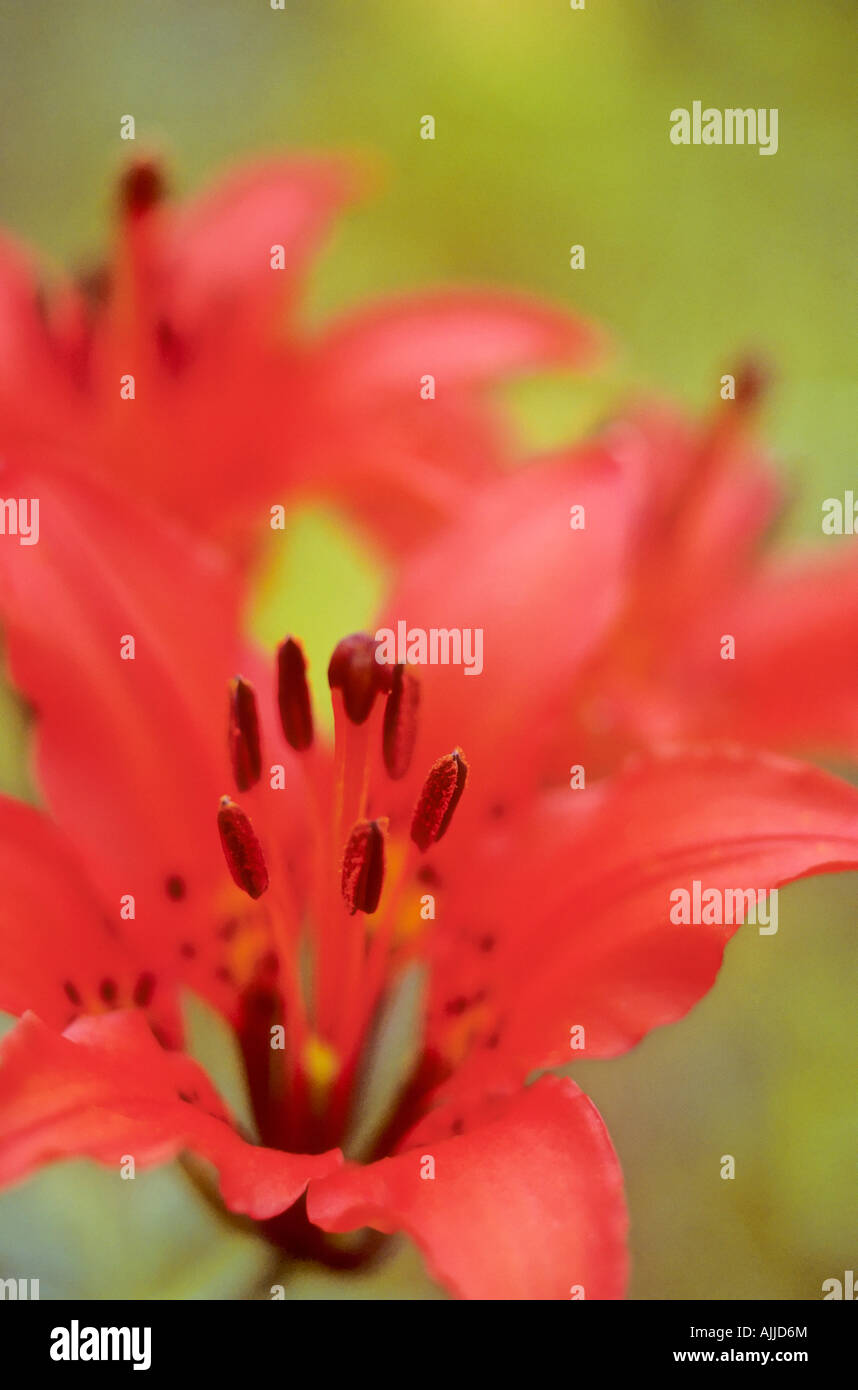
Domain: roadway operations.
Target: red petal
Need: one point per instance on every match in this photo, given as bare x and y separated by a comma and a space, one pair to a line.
22, 337
402, 464
707, 498
221, 242
707, 494
542, 594
526, 1203
794, 682
60, 951
106, 1089
456, 337
576, 906
129, 743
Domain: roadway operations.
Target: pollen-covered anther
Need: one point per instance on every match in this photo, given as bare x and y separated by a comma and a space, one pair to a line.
400, 722
363, 866
439, 798
293, 696
355, 671
244, 747
242, 850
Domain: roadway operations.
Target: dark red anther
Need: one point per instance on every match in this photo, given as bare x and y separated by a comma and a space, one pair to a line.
244, 748
293, 695
354, 670
439, 799
363, 867
400, 722
242, 850
141, 187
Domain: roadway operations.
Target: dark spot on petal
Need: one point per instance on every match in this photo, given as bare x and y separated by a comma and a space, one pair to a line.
108, 990
144, 989
224, 974
176, 888
72, 993
188, 950
497, 810
457, 1127
227, 931
487, 942
456, 1006
492, 1041
426, 874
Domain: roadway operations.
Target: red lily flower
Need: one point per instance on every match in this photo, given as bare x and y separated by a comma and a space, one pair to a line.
197, 315
703, 572
693, 506
551, 911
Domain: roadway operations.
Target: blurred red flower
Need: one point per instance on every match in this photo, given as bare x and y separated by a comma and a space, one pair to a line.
238, 405
692, 508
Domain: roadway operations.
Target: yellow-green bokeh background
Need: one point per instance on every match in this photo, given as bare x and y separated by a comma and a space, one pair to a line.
552, 129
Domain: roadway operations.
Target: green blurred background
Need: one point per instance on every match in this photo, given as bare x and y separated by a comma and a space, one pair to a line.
552, 129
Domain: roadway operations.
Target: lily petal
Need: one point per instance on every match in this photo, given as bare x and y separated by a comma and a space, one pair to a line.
458, 337
576, 909
525, 1203
794, 683
106, 1090
218, 247
60, 950
542, 596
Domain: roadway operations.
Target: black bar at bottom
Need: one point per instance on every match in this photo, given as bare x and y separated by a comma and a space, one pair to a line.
259, 1339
